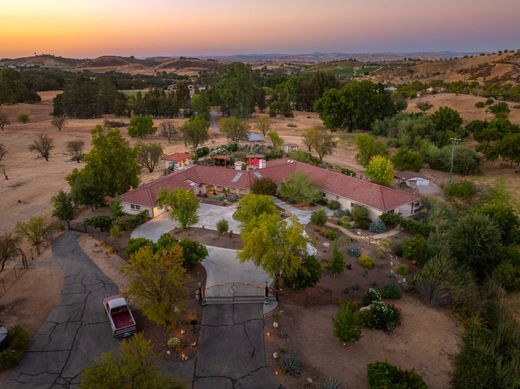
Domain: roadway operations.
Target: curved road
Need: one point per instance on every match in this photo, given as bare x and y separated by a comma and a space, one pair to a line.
76, 331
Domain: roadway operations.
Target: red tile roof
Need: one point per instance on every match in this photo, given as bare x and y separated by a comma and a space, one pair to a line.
177, 157
355, 189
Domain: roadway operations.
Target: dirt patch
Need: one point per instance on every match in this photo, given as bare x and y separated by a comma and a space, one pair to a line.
210, 238
108, 262
426, 341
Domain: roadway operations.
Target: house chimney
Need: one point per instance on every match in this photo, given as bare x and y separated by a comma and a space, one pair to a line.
238, 165
262, 164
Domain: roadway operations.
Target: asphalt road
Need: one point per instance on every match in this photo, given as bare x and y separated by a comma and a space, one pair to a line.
231, 351
76, 331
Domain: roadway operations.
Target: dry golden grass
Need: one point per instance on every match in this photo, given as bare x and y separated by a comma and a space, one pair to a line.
32, 182
465, 104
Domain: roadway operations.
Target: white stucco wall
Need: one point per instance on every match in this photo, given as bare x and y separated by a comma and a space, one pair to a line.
346, 204
127, 208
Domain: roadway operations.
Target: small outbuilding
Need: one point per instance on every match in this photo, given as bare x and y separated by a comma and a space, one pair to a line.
178, 161
412, 179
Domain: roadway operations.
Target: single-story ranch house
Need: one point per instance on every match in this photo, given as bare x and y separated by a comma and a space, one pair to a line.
215, 180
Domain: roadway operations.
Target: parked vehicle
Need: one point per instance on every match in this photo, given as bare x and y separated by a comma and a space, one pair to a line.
121, 319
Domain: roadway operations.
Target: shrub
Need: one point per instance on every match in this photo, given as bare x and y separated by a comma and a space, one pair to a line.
348, 172
23, 118
264, 186
307, 276
193, 252
354, 250
402, 270
103, 223
442, 282
342, 212
480, 104
319, 217
337, 262
414, 226
347, 325
330, 234
291, 365
174, 342
18, 338
508, 275
415, 248
381, 316
390, 219
345, 222
463, 190
371, 296
334, 205
9, 358
222, 226
366, 262
134, 244
377, 226
360, 216
116, 231
201, 152
382, 375
391, 291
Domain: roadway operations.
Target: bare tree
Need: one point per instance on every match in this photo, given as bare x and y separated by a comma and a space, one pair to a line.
59, 122
43, 146
4, 120
75, 149
9, 249
168, 130
148, 155
3, 151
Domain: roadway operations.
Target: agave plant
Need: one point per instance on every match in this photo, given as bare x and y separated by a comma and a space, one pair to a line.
331, 383
291, 365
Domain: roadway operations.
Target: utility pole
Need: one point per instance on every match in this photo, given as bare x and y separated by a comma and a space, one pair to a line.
454, 143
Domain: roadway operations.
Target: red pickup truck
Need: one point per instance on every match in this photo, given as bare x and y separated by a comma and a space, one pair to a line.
121, 319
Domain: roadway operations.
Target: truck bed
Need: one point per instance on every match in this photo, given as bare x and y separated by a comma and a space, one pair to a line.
122, 319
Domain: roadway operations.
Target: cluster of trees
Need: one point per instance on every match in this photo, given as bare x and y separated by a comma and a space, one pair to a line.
15, 88
355, 106
498, 138
470, 257
111, 168
55, 79
85, 97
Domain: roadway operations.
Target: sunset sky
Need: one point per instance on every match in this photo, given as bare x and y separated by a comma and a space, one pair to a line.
88, 28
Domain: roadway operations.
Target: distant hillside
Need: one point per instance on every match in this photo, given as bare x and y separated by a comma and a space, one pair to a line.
45, 60
503, 68
107, 63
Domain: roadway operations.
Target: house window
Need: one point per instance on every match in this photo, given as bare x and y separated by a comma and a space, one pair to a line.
135, 206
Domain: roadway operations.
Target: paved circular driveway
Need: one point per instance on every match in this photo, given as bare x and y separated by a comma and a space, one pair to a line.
209, 215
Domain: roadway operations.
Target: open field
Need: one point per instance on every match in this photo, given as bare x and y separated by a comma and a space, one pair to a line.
32, 182
465, 104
